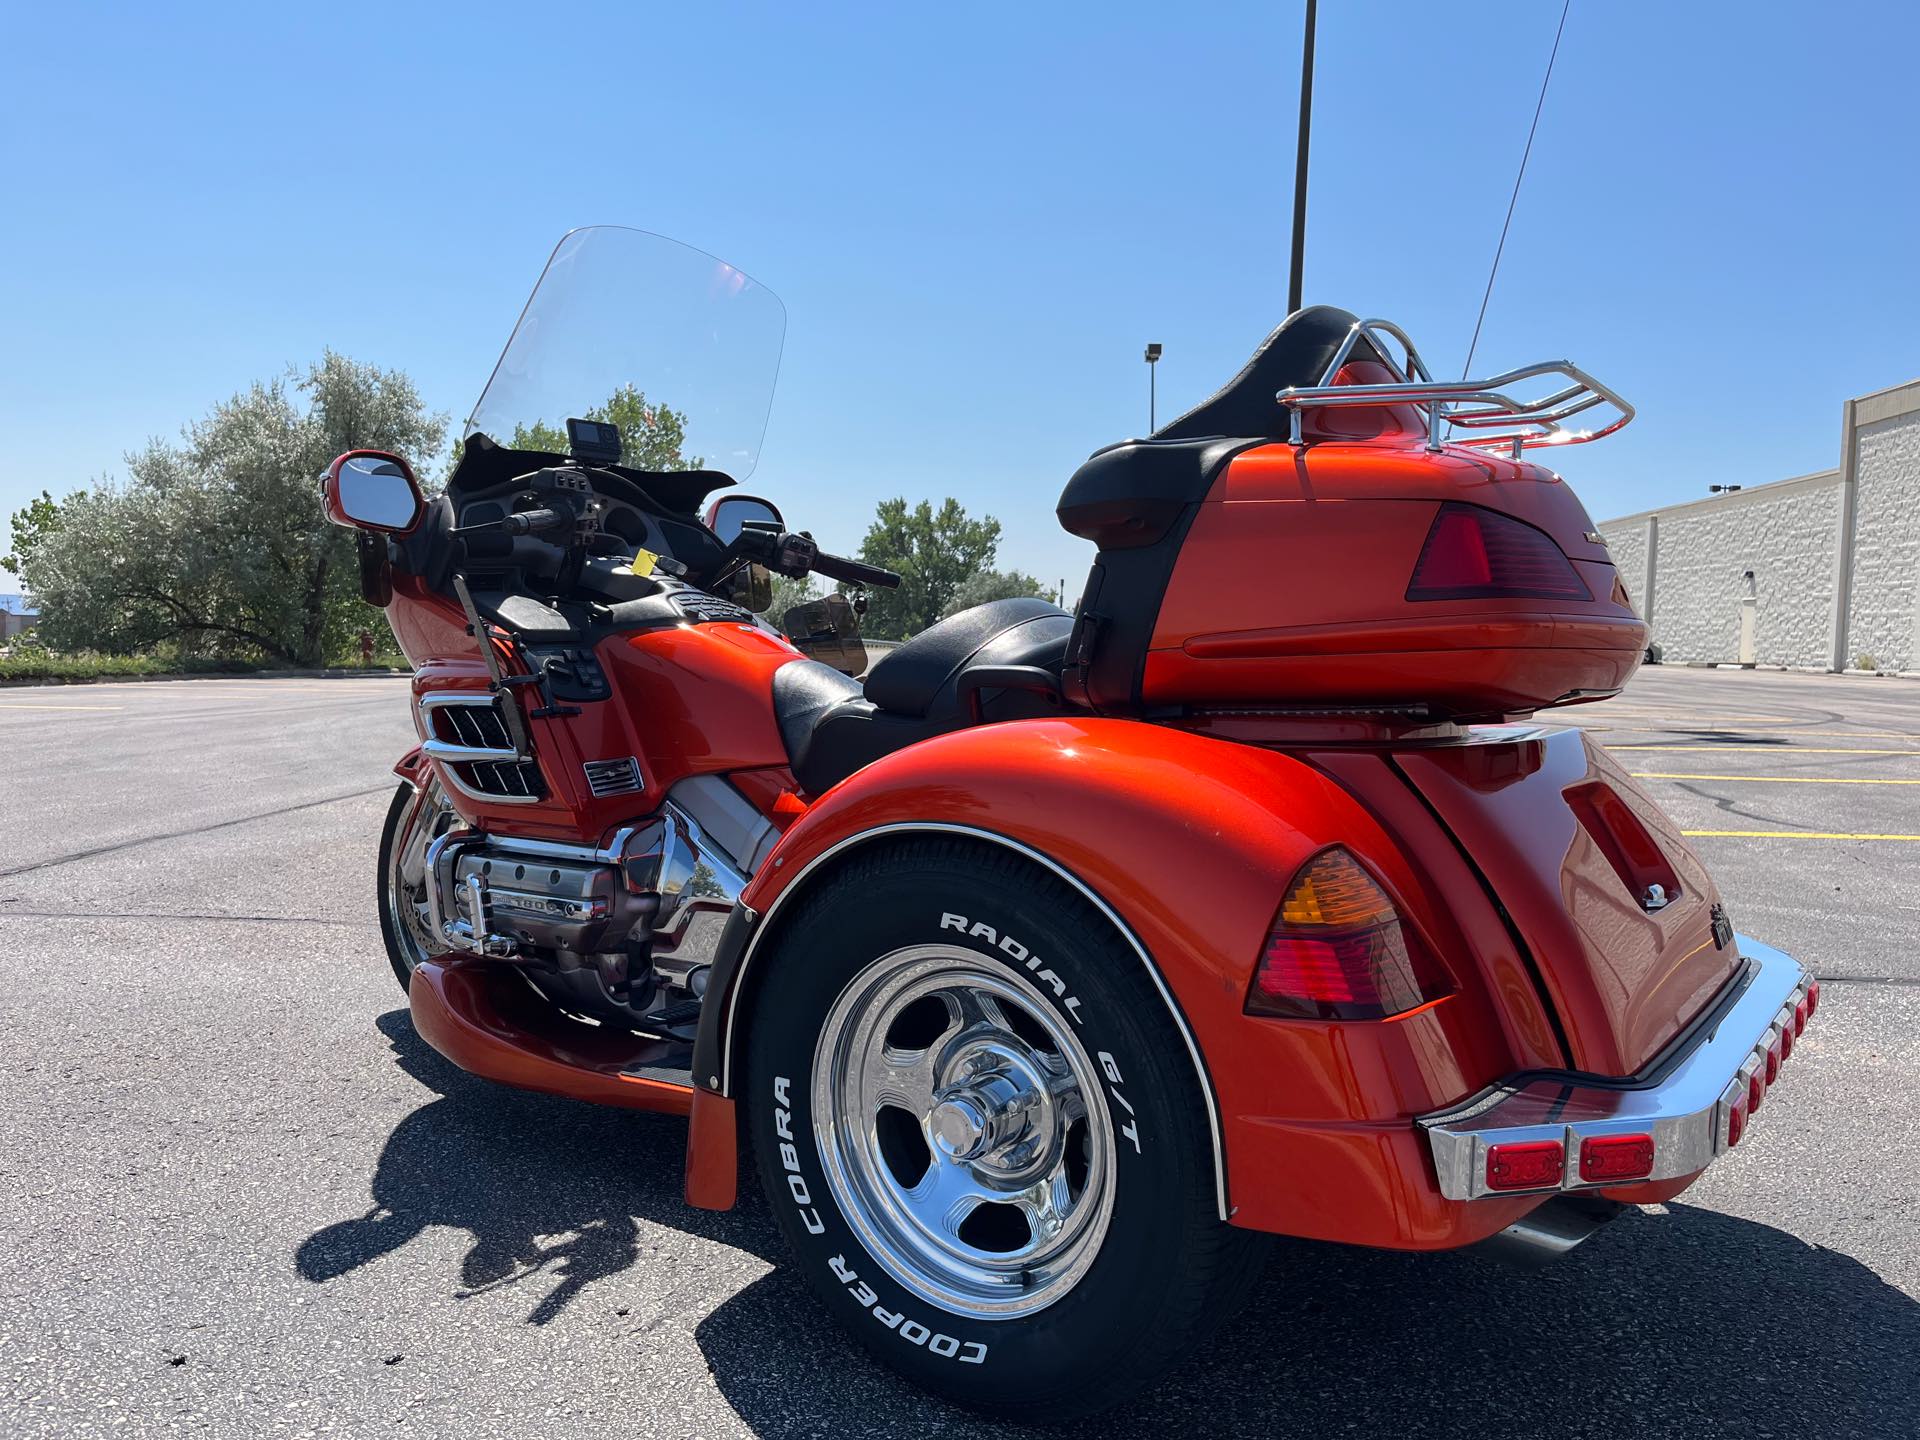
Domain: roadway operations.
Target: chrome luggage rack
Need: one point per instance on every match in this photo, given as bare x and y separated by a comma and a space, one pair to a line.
1472, 405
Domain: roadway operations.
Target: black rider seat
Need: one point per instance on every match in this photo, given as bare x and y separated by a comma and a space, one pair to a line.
832, 726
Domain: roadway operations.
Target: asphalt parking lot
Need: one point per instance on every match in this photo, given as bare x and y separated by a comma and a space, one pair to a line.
240, 1197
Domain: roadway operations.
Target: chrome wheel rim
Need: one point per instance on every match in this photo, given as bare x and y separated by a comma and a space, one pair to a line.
407, 907
960, 1126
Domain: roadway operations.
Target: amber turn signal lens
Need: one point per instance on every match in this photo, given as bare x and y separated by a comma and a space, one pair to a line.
1337, 950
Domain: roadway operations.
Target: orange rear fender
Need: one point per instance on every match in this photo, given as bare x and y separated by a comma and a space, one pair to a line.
1185, 843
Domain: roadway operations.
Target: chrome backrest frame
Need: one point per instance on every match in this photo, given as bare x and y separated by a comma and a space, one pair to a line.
1473, 405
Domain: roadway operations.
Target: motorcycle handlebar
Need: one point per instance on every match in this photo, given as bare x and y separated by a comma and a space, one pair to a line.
854, 572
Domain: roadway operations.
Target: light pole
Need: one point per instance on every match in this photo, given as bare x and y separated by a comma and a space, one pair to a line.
1153, 363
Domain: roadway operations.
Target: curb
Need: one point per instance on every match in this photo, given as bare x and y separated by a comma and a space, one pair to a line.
15, 682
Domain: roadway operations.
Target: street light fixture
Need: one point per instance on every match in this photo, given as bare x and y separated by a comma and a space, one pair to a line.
1153, 362
1722, 489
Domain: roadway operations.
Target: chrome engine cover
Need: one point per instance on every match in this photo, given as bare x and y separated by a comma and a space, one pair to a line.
546, 903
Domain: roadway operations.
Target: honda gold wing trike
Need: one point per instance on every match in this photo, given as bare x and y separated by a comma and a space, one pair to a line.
1044, 967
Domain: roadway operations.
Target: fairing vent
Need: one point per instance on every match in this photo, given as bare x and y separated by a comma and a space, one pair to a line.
479, 727
612, 777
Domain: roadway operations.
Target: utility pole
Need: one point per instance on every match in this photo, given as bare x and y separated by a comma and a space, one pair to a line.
1153, 365
1300, 164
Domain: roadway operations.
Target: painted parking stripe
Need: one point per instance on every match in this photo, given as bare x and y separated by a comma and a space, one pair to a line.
14, 705
1794, 835
1769, 779
1762, 749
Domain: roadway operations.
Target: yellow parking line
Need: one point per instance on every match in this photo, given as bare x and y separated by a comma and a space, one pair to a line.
1769, 779
1794, 835
13, 705
1763, 749
1822, 734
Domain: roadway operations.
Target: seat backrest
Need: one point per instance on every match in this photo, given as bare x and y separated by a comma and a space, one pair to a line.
909, 679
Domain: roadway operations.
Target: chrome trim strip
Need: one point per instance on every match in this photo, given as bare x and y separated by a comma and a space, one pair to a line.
450, 753
794, 884
1685, 1110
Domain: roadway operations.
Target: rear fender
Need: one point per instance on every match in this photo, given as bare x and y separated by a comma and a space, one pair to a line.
1184, 843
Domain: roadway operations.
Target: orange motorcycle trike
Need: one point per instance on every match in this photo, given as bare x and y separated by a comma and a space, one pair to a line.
1045, 965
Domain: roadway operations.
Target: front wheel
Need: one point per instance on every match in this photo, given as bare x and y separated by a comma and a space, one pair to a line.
981, 1132
414, 819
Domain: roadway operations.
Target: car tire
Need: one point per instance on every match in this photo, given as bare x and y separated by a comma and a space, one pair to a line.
953, 1005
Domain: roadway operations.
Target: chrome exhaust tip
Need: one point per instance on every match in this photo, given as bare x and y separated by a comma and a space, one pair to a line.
1544, 1234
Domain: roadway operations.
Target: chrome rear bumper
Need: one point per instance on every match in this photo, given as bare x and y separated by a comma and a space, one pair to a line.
1685, 1105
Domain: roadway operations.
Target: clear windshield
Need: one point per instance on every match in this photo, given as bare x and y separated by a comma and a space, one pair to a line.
678, 349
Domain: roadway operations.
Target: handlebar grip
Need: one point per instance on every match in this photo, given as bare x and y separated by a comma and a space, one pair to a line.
854, 572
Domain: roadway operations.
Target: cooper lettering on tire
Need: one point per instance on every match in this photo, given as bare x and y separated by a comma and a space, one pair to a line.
980, 1132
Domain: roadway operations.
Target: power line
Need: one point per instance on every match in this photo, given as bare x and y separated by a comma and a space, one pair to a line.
1514, 199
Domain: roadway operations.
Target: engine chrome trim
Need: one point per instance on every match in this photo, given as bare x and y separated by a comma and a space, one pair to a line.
1685, 1108
929, 827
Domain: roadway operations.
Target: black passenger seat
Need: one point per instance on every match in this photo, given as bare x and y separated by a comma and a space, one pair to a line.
832, 726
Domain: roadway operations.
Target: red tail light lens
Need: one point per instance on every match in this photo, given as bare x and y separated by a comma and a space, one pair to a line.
1756, 1090
1616, 1157
1813, 998
1477, 554
1786, 1043
1736, 1125
1526, 1165
1800, 1016
1337, 950
1773, 1060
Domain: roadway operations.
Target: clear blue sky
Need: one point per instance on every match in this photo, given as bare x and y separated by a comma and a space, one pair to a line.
975, 214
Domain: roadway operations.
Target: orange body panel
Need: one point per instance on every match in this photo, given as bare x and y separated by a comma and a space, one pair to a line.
1191, 841
1325, 539
1623, 980
487, 1020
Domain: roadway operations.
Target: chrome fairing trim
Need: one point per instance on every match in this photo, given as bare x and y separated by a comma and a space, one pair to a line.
1684, 1108
449, 753
794, 885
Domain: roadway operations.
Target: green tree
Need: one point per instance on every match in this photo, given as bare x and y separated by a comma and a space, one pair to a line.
988, 585
31, 527
935, 552
652, 437
217, 544
789, 592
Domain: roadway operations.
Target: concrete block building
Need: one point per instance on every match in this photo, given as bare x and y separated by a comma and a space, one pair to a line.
1817, 572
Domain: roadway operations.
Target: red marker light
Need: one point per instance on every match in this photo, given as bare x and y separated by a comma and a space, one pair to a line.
1616, 1157
1526, 1165
1736, 1125
1813, 998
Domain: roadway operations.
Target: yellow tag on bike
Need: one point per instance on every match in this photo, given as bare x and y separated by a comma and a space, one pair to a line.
642, 564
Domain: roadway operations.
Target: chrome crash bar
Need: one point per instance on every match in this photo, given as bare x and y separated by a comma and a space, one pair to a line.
1471, 405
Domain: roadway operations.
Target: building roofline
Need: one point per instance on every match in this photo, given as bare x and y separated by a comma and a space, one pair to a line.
1769, 490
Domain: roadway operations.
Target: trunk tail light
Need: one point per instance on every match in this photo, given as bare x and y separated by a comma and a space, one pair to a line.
1526, 1165
1337, 950
1473, 553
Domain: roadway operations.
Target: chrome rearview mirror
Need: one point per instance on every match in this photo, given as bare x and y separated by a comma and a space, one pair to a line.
372, 490
731, 514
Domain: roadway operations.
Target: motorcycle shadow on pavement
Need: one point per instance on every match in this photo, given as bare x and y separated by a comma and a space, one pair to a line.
1689, 1322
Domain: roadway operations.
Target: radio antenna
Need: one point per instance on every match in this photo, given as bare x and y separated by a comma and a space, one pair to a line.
1298, 272
1512, 200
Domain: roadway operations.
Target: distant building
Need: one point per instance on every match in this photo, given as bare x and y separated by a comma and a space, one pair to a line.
1819, 572
15, 618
